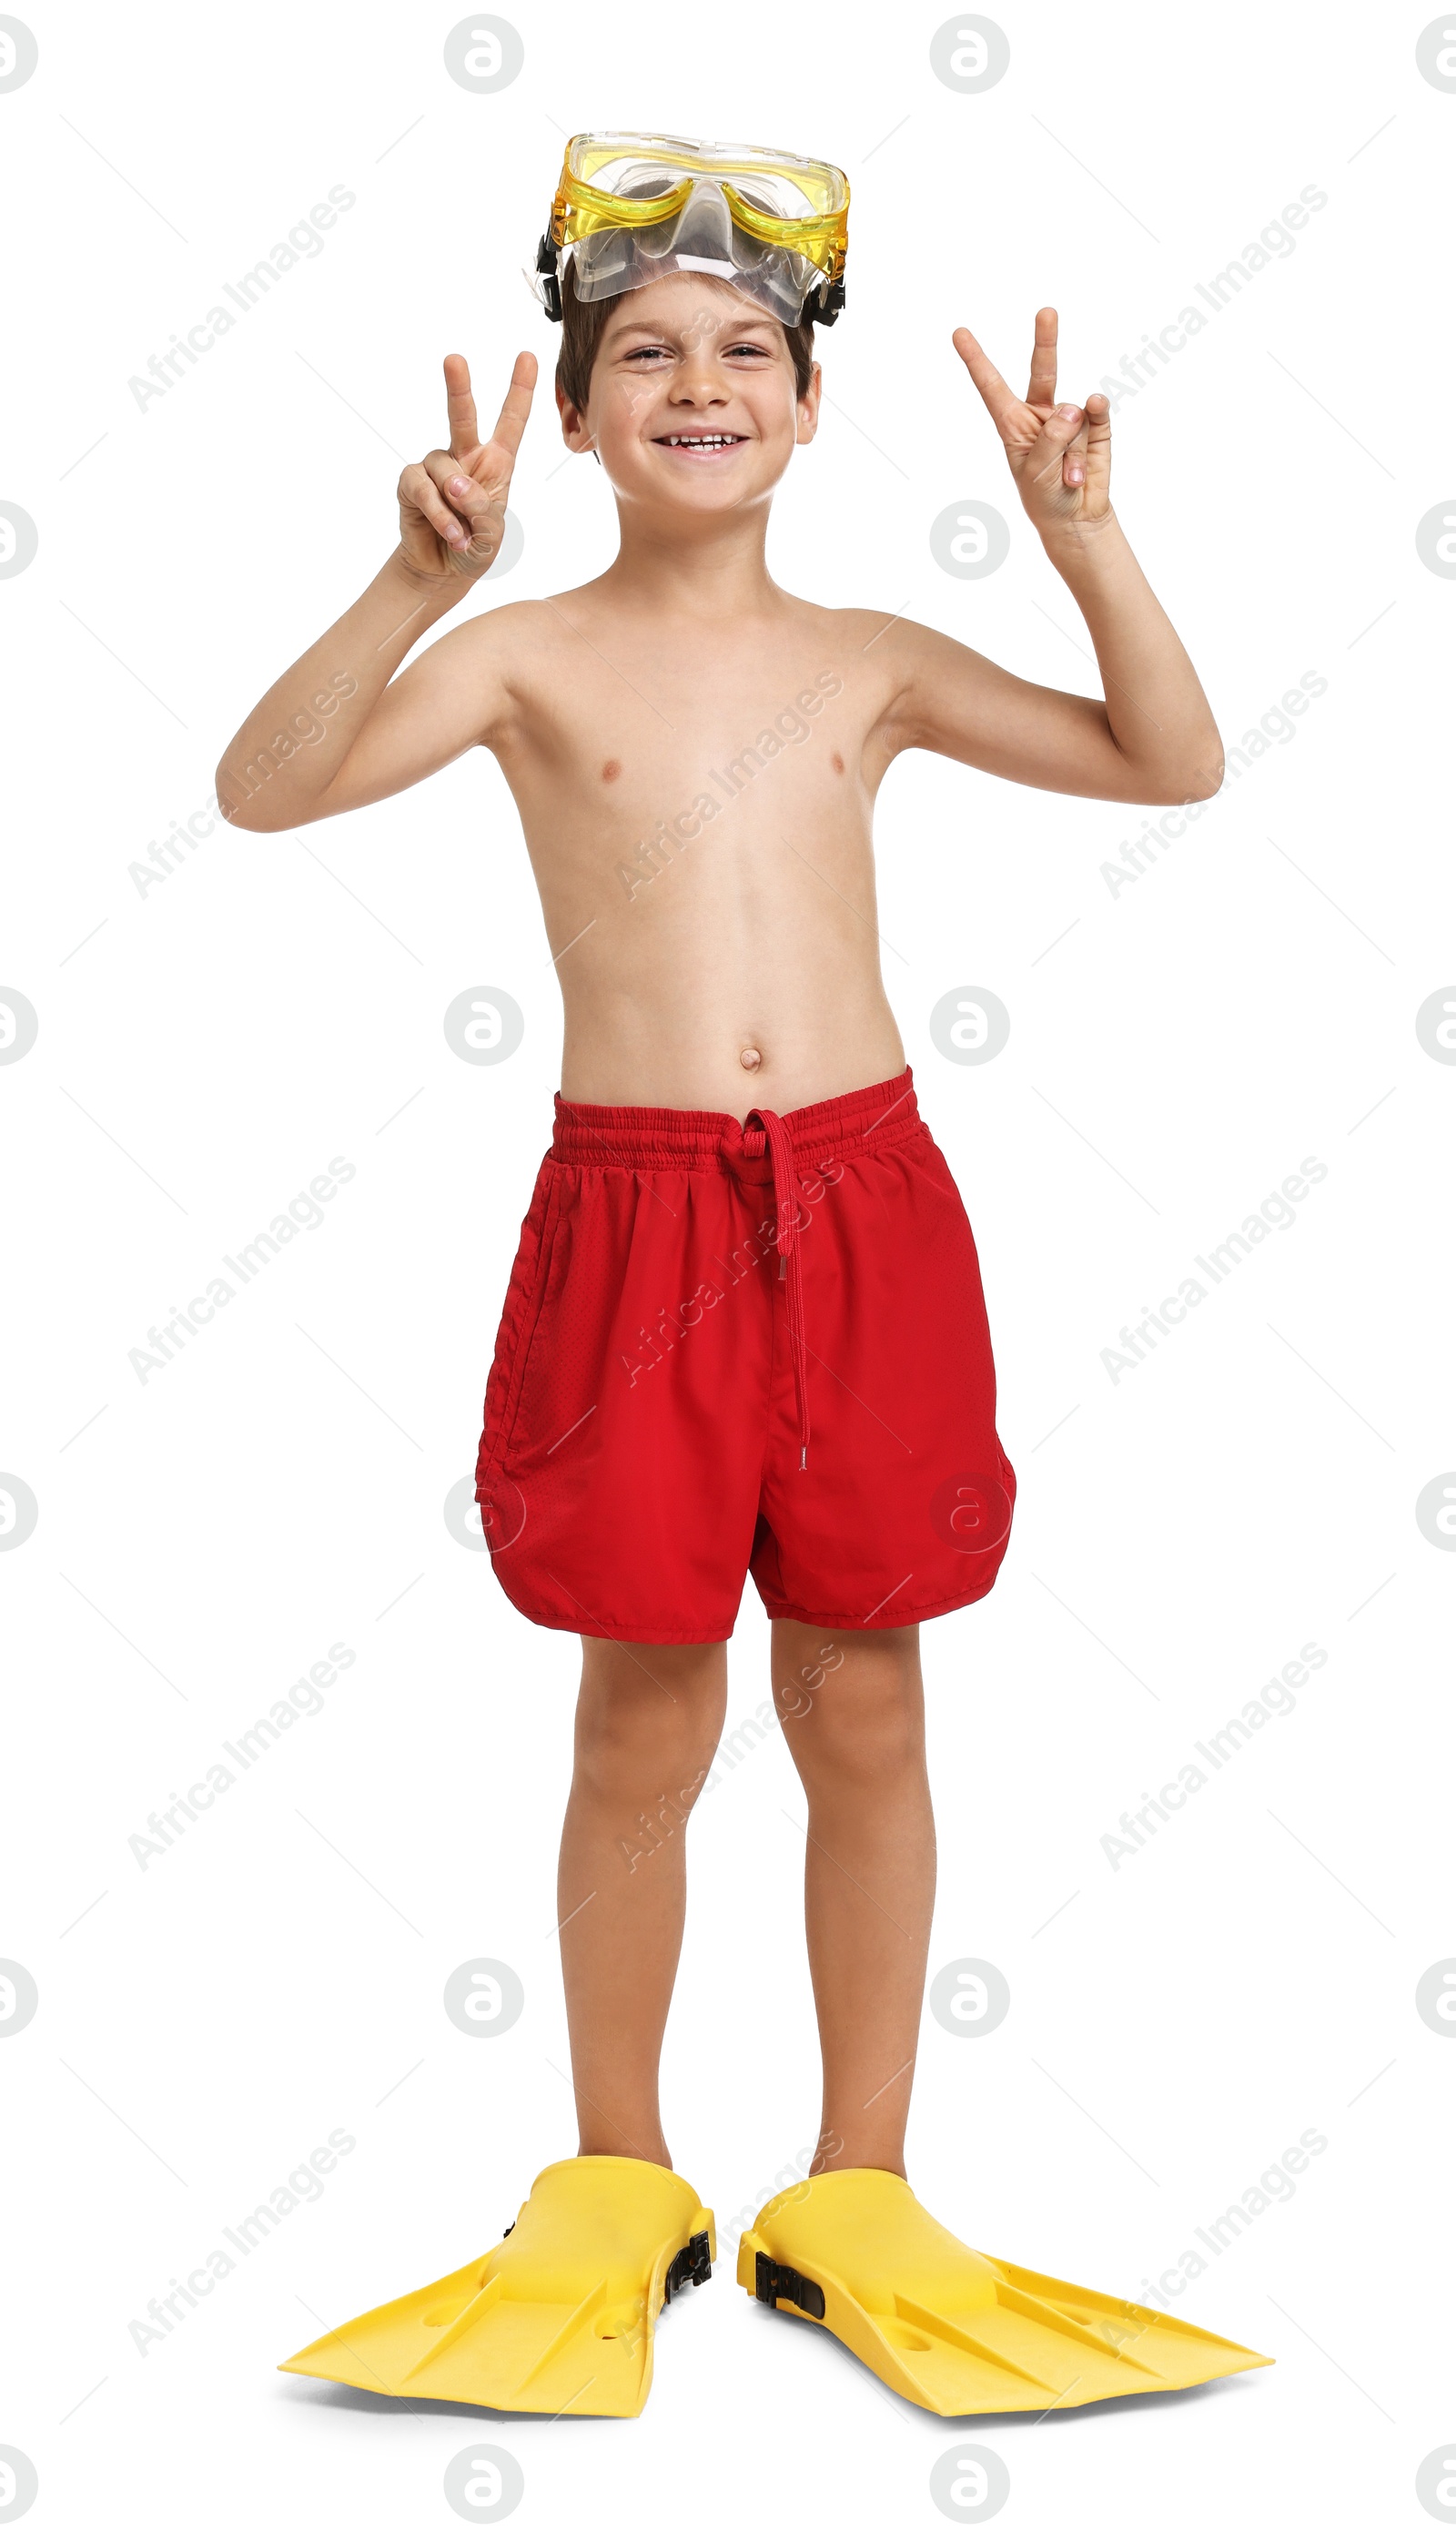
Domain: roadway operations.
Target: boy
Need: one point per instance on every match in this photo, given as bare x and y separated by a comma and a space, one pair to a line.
744, 1330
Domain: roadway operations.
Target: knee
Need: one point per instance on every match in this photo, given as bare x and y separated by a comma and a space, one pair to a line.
867, 1725
636, 1739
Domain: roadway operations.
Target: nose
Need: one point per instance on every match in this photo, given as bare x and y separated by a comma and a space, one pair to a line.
698, 384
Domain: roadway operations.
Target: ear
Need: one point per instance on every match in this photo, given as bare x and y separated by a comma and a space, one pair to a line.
575, 430
808, 409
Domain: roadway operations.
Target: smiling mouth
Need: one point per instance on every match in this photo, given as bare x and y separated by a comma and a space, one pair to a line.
701, 444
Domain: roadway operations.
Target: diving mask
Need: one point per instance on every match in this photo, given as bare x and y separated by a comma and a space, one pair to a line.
632, 206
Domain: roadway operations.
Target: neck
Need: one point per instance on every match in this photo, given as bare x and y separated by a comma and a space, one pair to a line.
670, 562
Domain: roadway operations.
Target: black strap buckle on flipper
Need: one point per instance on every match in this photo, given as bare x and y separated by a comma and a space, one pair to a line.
691, 2266
773, 2284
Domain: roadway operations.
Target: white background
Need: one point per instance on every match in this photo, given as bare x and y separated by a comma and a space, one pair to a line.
207, 1047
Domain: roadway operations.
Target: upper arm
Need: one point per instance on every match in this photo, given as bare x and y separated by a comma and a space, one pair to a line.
445, 702
954, 701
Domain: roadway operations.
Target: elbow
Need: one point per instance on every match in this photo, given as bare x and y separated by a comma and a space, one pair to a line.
239, 804
232, 798
1195, 778
1203, 778
1179, 785
1191, 770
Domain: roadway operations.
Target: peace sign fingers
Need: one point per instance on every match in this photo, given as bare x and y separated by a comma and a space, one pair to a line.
494, 460
1058, 454
453, 503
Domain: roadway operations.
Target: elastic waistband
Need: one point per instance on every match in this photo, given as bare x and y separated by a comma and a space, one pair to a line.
602, 1133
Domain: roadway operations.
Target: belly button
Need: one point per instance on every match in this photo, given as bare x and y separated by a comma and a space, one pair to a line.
750, 1058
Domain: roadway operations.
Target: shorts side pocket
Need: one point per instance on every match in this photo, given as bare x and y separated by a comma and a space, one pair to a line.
520, 1321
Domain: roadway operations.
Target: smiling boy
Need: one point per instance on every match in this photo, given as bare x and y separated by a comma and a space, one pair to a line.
744, 1331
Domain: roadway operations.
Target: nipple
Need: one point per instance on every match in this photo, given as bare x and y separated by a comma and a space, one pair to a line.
750, 1058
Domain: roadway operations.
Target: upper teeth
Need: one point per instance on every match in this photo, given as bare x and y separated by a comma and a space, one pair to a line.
701, 440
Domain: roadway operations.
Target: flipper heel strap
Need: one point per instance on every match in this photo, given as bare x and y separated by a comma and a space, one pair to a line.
691, 2266
774, 2284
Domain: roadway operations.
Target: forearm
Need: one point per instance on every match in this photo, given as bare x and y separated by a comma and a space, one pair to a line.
292, 745
1158, 714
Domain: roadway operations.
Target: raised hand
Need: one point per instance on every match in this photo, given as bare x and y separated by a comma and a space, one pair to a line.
453, 503
1060, 456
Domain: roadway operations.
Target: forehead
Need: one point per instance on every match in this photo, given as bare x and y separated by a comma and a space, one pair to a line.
690, 304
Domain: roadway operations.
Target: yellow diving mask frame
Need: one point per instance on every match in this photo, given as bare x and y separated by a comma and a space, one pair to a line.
632, 206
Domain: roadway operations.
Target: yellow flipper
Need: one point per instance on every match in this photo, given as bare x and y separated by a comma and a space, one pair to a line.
956, 2331
558, 2319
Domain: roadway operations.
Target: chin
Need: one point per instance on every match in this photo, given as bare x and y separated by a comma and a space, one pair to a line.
645, 487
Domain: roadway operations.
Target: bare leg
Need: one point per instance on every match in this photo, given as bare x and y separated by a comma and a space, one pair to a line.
852, 1707
648, 1724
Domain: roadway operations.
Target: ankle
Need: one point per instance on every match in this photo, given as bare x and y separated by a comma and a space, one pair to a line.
626, 2153
838, 2150
646, 2144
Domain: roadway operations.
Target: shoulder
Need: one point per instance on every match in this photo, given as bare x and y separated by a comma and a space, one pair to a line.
889, 628
496, 656
506, 627
880, 636
523, 635
846, 631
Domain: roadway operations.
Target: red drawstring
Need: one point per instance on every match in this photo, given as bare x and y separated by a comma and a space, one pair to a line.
791, 1268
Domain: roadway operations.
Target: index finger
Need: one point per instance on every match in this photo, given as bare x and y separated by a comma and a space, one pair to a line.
1007, 412
464, 432
512, 420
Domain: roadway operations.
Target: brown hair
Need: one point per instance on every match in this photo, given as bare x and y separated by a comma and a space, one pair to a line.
582, 325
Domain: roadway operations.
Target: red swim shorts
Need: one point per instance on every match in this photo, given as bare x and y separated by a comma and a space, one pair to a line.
729, 1349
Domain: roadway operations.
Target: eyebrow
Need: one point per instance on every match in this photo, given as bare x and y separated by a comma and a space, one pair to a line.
639, 326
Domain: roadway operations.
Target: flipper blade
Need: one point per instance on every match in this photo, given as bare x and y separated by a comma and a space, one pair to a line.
558, 2319
954, 2330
